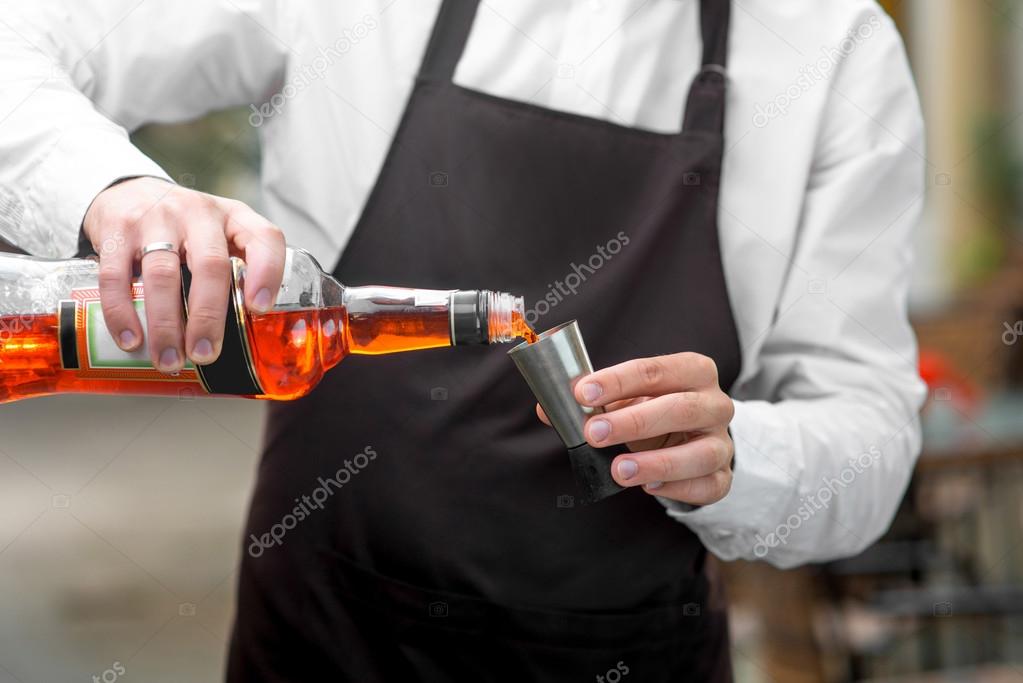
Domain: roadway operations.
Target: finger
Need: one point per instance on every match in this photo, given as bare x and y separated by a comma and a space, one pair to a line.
161, 274
116, 261
263, 246
699, 491
692, 460
652, 443
657, 442
682, 412
614, 406
210, 265
617, 405
542, 415
647, 377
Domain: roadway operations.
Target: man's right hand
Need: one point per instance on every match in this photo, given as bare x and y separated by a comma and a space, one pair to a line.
207, 231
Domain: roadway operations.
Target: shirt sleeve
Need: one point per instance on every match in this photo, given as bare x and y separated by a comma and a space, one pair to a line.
76, 76
826, 430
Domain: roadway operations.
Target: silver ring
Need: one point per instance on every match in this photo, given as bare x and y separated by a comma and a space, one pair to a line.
158, 246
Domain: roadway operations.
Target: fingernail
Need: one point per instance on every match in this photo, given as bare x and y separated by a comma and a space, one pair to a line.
592, 391
261, 302
169, 359
627, 469
654, 485
599, 429
128, 339
203, 349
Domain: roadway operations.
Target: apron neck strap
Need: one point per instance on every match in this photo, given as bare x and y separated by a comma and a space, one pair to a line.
450, 34
715, 18
705, 107
454, 22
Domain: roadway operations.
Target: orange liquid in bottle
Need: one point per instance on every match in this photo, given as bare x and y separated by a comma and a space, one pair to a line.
30, 365
291, 353
291, 350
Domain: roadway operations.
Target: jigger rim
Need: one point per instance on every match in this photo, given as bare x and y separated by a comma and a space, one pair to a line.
542, 336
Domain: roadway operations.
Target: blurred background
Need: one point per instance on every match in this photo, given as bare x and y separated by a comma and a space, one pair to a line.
120, 560
940, 597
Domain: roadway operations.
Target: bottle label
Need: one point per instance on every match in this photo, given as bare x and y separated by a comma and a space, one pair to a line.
88, 347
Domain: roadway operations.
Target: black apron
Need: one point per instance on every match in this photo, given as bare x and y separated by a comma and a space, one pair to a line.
457, 552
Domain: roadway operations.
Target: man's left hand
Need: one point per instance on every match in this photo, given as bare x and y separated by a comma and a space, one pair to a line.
673, 416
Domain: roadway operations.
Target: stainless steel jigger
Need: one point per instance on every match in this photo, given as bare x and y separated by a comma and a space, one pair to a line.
551, 366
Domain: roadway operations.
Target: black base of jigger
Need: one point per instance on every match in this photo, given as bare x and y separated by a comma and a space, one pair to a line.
592, 469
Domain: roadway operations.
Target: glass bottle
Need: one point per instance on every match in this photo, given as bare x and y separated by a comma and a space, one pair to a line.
53, 338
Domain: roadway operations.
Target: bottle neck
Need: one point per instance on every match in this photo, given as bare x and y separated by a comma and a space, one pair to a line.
484, 317
504, 313
392, 319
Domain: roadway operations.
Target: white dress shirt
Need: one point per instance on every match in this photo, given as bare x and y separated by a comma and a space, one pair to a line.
823, 182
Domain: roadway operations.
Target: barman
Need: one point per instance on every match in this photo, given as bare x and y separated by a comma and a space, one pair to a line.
758, 167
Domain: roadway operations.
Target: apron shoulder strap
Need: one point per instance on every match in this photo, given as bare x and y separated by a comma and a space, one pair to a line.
447, 42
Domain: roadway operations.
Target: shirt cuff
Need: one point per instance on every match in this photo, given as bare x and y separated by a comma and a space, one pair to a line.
761, 487
82, 163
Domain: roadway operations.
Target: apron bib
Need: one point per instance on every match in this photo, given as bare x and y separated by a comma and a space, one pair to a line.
459, 552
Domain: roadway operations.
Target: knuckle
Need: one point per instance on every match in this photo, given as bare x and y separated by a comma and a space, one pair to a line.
719, 453
214, 263
617, 378
726, 408
651, 372
637, 422
232, 206
665, 467
164, 326
119, 311
236, 211
703, 367
272, 231
206, 316
270, 242
162, 272
686, 409
112, 275
130, 217
171, 204
722, 483
687, 490
273, 237
705, 459
179, 199
690, 358
708, 368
